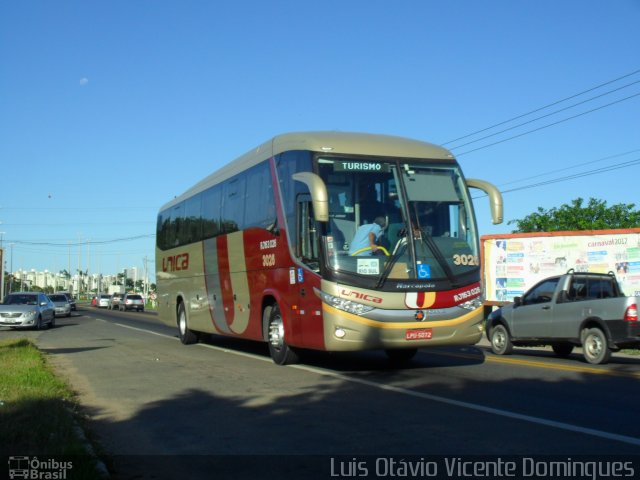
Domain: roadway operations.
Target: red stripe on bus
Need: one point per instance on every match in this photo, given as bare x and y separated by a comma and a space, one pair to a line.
225, 278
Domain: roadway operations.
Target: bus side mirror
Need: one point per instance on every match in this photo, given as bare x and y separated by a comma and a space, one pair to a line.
495, 197
318, 191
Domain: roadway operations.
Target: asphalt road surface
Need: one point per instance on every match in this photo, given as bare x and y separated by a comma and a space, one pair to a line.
159, 409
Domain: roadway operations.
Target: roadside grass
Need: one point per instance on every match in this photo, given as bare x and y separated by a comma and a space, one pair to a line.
37, 411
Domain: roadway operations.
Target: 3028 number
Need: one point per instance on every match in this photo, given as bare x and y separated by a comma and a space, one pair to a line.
467, 260
269, 260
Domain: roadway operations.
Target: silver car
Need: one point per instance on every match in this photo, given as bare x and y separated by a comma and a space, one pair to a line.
62, 305
27, 310
131, 301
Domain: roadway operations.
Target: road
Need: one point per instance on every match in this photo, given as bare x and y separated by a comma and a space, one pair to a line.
160, 409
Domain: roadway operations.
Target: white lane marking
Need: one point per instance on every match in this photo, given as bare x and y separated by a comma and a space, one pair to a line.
479, 408
426, 396
213, 347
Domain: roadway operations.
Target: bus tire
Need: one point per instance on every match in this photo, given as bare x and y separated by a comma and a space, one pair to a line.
399, 356
281, 353
595, 348
187, 337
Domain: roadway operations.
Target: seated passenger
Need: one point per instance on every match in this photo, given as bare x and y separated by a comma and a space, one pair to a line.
366, 237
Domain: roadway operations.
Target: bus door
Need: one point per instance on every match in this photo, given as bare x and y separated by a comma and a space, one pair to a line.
308, 319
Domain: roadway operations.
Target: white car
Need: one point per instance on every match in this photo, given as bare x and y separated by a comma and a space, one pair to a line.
131, 301
103, 300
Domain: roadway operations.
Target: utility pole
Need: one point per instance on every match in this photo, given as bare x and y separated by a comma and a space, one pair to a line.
2, 273
145, 288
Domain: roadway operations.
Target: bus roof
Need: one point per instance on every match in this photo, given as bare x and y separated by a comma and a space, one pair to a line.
329, 142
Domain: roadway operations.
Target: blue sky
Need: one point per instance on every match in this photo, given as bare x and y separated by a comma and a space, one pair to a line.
109, 109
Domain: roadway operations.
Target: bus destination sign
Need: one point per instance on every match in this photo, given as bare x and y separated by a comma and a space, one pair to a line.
355, 166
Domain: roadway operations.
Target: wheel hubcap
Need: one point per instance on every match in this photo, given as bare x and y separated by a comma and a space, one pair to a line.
183, 324
594, 346
276, 333
498, 340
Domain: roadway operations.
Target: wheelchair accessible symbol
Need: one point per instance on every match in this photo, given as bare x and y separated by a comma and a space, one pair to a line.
424, 271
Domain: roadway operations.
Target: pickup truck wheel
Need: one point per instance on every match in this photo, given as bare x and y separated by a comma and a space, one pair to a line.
594, 346
562, 349
500, 340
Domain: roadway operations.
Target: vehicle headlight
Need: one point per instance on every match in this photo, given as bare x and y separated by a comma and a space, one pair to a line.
343, 304
30, 314
472, 304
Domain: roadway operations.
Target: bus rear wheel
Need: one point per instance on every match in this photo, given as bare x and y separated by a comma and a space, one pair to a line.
281, 353
187, 337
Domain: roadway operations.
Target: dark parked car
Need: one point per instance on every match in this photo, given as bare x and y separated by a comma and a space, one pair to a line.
62, 305
131, 301
27, 310
72, 301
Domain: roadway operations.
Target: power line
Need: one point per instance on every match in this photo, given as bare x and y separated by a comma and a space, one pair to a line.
80, 242
542, 108
596, 171
545, 116
548, 125
571, 167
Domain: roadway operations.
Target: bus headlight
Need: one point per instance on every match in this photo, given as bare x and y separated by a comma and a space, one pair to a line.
345, 305
340, 333
472, 304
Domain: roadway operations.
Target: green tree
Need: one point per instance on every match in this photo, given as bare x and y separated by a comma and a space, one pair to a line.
576, 216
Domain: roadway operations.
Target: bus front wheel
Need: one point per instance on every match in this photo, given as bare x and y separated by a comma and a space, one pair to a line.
281, 353
187, 337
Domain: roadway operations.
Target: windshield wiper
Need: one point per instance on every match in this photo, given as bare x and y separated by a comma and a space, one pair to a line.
392, 261
428, 239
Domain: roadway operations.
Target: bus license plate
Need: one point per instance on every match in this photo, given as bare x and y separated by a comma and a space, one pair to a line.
419, 334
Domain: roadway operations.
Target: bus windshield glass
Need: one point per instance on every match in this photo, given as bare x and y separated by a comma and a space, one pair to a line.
398, 219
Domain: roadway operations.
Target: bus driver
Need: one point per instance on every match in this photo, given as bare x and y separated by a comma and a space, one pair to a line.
366, 237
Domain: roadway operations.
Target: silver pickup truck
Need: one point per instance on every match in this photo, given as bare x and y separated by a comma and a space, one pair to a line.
576, 309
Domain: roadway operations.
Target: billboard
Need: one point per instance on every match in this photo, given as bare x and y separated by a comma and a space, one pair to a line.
513, 263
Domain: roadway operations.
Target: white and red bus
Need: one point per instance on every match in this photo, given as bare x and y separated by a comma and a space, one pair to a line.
260, 249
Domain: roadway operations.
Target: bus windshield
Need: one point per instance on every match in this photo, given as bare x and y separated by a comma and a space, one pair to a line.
418, 213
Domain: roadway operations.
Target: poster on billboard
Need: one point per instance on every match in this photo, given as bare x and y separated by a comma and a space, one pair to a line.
513, 263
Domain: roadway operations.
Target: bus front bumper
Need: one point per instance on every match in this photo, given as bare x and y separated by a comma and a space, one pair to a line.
348, 332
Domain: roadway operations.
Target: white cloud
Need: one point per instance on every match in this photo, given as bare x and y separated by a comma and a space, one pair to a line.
84, 81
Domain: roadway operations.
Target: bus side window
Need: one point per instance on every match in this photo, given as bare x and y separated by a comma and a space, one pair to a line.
259, 193
233, 199
211, 200
307, 233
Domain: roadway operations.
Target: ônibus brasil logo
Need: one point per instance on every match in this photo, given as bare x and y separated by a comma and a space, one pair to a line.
33, 468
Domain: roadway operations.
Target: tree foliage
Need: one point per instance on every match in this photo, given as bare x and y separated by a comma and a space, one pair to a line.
593, 216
